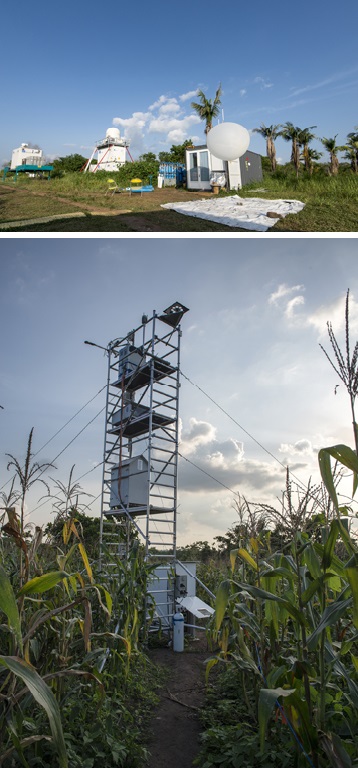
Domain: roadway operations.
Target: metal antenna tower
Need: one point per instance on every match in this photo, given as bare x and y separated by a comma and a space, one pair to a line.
140, 463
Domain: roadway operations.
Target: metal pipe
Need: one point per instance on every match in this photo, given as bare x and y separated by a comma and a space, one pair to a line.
189, 625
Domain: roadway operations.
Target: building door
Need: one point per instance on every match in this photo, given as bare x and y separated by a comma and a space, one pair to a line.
199, 170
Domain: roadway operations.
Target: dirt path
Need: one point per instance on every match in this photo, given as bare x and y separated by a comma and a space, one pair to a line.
175, 727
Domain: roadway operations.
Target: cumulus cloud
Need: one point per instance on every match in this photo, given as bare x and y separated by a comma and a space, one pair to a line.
301, 447
165, 125
279, 298
199, 433
243, 91
292, 304
167, 117
282, 291
335, 313
188, 95
207, 463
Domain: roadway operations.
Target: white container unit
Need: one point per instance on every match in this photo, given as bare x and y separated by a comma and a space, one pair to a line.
129, 483
203, 169
130, 411
130, 358
173, 590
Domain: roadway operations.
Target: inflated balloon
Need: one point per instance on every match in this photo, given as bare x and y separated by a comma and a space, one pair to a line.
228, 141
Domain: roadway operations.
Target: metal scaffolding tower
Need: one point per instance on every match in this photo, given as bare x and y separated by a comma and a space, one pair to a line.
140, 463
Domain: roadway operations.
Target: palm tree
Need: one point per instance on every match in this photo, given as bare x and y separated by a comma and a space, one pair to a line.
270, 133
291, 133
310, 156
351, 154
304, 139
208, 109
331, 147
352, 149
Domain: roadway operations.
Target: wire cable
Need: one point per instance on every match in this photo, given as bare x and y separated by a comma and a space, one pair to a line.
299, 482
59, 430
207, 474
233, 419
63, 450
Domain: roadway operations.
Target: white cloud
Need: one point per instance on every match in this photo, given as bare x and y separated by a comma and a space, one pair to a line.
165, 117
301, 447
162, 99
188, 95
243, 92
292, 304
171, 106
199, 433
138, 120
282, 291
335, 314
213, 463
164, 125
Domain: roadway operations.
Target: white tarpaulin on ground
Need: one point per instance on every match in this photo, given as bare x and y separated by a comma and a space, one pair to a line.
196, 606
233, 211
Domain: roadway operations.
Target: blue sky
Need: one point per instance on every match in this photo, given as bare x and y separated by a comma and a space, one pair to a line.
258, 311
75, 69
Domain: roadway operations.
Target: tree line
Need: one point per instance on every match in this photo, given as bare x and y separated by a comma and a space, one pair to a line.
300, 139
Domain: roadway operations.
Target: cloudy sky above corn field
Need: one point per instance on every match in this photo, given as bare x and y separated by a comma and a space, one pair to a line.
77, 69
258, 311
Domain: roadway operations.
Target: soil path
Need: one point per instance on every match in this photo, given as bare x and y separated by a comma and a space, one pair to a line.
175, 727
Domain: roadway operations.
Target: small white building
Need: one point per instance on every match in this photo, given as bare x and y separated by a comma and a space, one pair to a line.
111, 152
203, 169
25, 156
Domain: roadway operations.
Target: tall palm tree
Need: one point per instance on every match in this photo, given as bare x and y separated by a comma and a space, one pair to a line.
208, 109
305, 137
351, 154
291, 133
352, 149
270, 133
332, 147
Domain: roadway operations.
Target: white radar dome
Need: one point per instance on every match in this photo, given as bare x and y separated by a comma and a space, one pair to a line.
228, 141
113, 133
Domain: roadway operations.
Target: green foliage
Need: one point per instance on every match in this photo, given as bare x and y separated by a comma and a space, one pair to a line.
147, 157
176, 154
143, 170
78, 635
88, 527
281, 631
68, 164
230, 729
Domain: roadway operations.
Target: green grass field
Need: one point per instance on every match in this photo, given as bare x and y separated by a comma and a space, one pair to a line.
331, 205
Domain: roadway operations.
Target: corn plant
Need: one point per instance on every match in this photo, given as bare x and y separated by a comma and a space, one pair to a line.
287, 619
290, 628
46, 619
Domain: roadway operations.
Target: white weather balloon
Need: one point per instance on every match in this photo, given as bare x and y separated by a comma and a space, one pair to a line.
228, 141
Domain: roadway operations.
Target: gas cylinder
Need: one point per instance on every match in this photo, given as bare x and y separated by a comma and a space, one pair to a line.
178, 632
